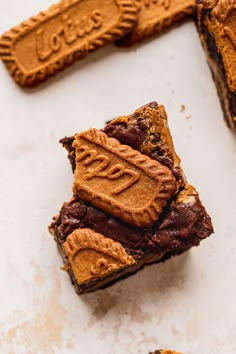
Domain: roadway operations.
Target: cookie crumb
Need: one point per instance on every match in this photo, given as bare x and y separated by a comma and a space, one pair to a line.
182, 108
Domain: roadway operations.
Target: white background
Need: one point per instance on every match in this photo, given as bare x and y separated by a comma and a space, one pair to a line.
187, 303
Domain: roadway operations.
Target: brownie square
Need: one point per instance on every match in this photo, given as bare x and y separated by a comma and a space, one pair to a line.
131, 205
164, 351
216, 21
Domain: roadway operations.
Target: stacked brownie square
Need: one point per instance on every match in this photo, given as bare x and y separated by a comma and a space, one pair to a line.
131, 204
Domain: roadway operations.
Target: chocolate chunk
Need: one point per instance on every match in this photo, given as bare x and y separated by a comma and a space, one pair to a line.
100, 245
216, 26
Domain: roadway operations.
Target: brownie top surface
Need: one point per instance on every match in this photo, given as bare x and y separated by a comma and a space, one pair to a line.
184, 221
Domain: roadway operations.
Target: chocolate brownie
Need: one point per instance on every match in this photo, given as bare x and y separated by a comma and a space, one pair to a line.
216, 25
164, 351
131, 203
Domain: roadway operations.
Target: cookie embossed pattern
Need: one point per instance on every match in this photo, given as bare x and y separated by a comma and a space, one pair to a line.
157, 15
69, 30
120, 180
98, 255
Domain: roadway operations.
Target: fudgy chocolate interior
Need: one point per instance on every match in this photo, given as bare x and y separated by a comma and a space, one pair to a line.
182, 224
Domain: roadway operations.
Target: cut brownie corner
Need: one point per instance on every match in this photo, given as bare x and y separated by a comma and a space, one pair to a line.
131, 205
147, 130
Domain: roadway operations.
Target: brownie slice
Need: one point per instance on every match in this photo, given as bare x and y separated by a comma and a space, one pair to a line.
216, 25
164, 351
146, 131
100, 245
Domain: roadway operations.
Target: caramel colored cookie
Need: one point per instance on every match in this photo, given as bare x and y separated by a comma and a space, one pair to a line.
120, 180
92, 255
69, 30
217, 29
157, 15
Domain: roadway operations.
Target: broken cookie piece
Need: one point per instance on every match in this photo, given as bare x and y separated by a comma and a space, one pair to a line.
216, 25
155, 16
131, 203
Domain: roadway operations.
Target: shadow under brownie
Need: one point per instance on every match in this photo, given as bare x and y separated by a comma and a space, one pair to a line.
100, 245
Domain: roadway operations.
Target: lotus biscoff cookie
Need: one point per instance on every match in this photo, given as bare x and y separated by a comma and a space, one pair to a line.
131, 204
54, 39
157, 15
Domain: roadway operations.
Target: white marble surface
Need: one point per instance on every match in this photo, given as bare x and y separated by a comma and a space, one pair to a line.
188, 303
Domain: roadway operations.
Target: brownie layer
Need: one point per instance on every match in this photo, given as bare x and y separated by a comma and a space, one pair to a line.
184, 224
216, 63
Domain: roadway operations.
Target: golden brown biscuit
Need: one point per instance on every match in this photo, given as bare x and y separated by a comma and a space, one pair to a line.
121, 180
92, 256
157, 15
54, 39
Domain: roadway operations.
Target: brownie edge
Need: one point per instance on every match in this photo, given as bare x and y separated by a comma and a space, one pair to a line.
216, 26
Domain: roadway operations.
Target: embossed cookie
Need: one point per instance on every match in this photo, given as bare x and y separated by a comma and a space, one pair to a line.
121, 180
123, 177
157, 15
67, 31
217, 29
93, 256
